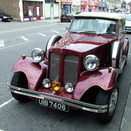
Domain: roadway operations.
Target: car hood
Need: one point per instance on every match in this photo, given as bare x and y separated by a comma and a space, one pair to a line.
83, 42
128, 23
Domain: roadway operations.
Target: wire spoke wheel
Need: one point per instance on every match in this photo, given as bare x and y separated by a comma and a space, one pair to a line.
113, 102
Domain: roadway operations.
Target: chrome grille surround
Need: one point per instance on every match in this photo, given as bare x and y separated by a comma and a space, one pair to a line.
70, 69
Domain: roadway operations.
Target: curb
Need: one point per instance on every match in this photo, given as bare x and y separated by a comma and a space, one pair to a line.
126, 121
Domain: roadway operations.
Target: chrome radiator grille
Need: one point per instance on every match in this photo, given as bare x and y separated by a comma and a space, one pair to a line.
70, 68
54, 67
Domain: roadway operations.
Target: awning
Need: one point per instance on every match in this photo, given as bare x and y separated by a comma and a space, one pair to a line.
90, 3
103, 5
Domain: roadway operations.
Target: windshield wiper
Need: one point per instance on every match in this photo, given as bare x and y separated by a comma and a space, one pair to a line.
86, 31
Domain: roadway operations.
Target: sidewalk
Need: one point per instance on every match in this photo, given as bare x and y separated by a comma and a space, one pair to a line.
126, 121
49, 20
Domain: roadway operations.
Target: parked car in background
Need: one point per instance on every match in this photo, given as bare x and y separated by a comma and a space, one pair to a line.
66, 17
128, 23
4, 16
79, 70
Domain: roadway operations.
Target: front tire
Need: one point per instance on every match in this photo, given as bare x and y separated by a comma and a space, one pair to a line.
19, 80
109, 98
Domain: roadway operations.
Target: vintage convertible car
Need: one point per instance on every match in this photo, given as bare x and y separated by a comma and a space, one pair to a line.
79, 70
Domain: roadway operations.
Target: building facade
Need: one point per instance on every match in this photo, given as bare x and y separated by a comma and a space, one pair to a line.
41, 9
51, 9
11, 7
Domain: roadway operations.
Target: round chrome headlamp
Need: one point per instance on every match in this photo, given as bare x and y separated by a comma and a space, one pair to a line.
91, 62
37, 55
46, 83
69, 87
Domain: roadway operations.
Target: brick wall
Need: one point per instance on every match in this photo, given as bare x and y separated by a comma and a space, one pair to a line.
10, 7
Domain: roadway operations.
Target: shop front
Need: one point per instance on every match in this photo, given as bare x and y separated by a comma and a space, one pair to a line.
51, 9
90, 6
76, 6
103, 7
36, 7
66, 6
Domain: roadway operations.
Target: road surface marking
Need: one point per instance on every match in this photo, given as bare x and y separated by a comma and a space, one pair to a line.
2, 43
27, 28
55, 31
42, 34
24, 38
6, 47
1, 130
6, 103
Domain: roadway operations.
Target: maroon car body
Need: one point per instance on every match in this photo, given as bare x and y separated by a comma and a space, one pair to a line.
77, 71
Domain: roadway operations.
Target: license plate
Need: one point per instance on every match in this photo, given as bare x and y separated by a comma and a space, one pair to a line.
54, 105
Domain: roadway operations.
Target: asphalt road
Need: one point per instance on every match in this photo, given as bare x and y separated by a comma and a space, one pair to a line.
20, 38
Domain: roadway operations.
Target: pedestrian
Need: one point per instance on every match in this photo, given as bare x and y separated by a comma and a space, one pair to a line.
30, 15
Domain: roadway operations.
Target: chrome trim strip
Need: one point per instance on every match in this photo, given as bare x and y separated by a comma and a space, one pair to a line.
70, 102
49, 44
115, 49
114, 52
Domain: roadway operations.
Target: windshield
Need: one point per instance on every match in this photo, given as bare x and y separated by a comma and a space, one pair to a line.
128, 17
94, 26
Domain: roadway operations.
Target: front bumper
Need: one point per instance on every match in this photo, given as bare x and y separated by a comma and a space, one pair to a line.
70, 102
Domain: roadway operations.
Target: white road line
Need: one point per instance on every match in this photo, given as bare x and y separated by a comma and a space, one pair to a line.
16, 45
24, 38
64, 28
42, 34
1, 130
2, 43
55, 31
6, 103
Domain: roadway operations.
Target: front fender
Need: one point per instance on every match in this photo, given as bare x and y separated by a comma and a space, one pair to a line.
33, 71
103, 78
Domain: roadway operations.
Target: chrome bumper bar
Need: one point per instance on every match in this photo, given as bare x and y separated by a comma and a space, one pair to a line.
70, 102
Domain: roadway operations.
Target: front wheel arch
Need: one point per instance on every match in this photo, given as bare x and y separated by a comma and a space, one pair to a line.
109, 98
19, 79
52, 40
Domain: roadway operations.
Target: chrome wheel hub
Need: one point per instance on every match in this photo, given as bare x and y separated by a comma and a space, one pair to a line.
113, 102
